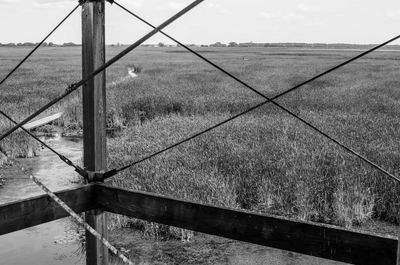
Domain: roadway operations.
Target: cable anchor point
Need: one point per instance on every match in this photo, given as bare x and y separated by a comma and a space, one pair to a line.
95, 176
78, 169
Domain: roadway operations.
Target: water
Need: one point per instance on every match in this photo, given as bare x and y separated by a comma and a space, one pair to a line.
47, 167
46, 244
58, 243
54, 243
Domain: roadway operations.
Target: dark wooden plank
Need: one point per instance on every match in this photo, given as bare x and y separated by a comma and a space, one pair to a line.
94, 117
41, 209
302, 237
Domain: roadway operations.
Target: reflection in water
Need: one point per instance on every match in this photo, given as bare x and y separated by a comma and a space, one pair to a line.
46, 244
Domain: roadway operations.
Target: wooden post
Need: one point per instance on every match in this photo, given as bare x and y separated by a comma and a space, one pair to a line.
398, 251
94, 117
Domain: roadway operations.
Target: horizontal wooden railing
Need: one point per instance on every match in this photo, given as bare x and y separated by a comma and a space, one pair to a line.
37, 210
302, 237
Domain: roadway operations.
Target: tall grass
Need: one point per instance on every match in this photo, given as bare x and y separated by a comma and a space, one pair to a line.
18, 145
268, 164
265, 161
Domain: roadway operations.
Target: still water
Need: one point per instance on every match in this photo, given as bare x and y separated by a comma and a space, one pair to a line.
58, 243
55, 243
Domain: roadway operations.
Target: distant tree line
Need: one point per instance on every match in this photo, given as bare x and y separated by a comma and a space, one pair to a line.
220, 44
45, 44
281, 45
301, 45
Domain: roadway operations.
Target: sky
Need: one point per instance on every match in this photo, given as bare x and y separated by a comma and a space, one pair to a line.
311, 21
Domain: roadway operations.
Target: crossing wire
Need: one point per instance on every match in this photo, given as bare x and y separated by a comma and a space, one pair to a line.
71, 88
75, 216
63, 158
115, 171
38, 45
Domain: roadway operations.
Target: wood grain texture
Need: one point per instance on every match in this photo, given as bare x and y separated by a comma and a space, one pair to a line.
93, 92
41, 209
94, 118
313, 239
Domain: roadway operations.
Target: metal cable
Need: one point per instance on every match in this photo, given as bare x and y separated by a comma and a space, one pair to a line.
75, 86
81, 222
78, 169
115, 171
63, 158
76, 217
38, 45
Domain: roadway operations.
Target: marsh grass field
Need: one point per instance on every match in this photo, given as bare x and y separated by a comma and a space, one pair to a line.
265, 161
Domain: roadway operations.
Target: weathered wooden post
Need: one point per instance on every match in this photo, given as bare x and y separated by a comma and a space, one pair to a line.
94, 117
398, 251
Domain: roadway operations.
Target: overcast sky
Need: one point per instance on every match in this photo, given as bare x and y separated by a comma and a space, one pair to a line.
344, 21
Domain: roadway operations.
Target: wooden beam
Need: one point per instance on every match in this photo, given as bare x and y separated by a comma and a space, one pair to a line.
37, 210
94, 117
308, 238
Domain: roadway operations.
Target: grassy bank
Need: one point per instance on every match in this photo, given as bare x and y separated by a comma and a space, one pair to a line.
17, 145
266, 164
